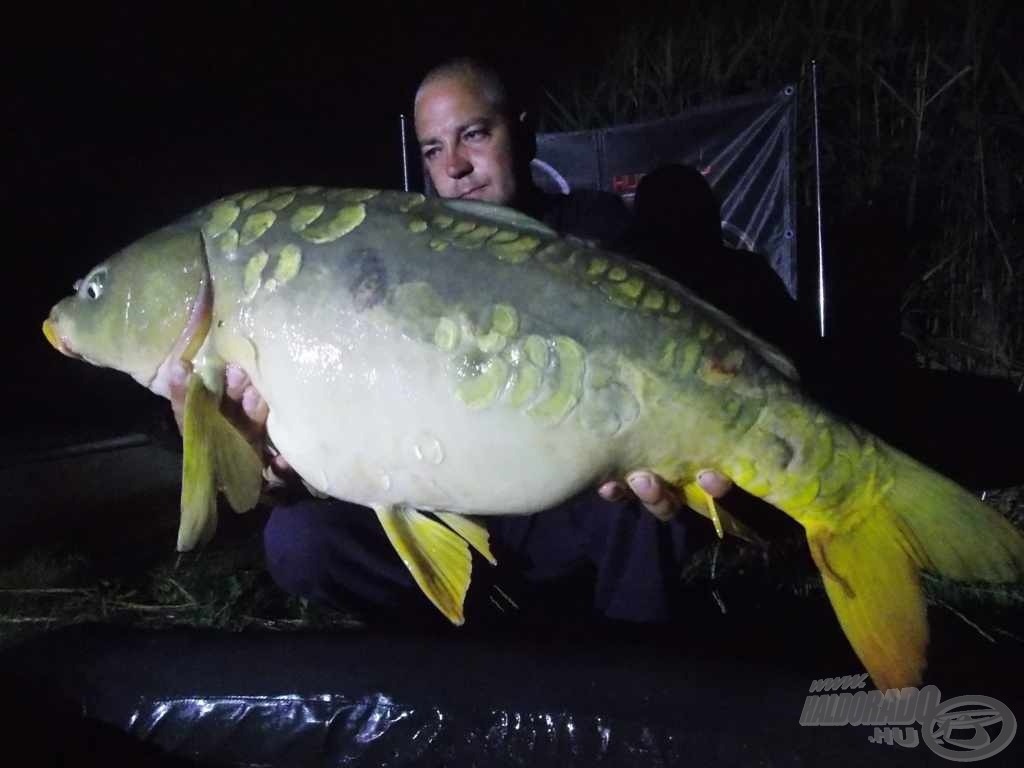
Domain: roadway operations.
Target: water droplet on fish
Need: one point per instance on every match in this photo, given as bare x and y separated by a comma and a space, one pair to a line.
432, 451
426, 447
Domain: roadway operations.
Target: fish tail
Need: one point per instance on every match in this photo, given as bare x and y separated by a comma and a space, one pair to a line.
916, 520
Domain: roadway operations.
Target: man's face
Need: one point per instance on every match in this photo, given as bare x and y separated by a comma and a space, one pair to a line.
466, 144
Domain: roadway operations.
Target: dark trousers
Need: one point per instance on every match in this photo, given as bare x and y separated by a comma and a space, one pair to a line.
586, 557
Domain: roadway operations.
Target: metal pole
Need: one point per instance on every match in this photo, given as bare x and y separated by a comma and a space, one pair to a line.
817, 194
405, 155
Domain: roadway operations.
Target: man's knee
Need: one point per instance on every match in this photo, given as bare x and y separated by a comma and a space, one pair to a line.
294, 544
330, 552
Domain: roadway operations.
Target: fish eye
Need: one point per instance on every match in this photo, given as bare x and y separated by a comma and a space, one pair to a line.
92, 286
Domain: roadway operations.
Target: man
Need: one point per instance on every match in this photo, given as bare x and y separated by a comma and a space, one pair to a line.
476, 147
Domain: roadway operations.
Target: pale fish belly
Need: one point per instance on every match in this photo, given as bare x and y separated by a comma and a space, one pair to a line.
373, 418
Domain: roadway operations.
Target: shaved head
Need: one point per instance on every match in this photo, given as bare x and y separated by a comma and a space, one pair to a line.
473, 72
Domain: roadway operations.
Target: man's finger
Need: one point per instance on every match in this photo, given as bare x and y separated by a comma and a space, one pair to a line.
612, 491
255, 406
177, 385
280, 465
659, 500
235, 382
714, 483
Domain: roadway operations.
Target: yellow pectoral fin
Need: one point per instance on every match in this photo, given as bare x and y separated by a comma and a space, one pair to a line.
703, 503
438, 559
216, 456
472, 531
239, 471
875, 590
198, 478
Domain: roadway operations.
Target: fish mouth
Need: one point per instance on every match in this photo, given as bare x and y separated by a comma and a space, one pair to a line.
57, 341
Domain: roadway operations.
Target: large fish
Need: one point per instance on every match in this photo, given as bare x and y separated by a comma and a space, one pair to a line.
457, 358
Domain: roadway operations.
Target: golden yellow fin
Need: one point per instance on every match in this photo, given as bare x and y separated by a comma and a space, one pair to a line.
917, 520
198, 480
437, 557
215, 456
238, 468
473, 531
875, 590
703, 503
948, 530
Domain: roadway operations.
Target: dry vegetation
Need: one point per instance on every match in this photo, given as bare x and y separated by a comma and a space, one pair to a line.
922, 114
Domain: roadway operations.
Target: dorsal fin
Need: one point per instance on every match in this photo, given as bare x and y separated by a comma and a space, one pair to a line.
500, 216
772, 355
509, 217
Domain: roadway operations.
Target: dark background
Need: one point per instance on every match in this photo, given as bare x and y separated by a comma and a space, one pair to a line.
119, 120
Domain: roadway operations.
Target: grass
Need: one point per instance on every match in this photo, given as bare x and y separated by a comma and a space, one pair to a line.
224, 587
920, 117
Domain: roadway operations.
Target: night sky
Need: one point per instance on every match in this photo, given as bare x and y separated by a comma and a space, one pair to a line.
120, 120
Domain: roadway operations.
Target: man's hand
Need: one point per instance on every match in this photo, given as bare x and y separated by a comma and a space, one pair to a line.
180, 372
243, 405
660, 498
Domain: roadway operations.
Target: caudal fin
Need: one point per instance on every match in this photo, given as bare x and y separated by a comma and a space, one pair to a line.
922, 521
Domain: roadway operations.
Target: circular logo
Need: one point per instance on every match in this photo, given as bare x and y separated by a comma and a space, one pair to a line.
962, 728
